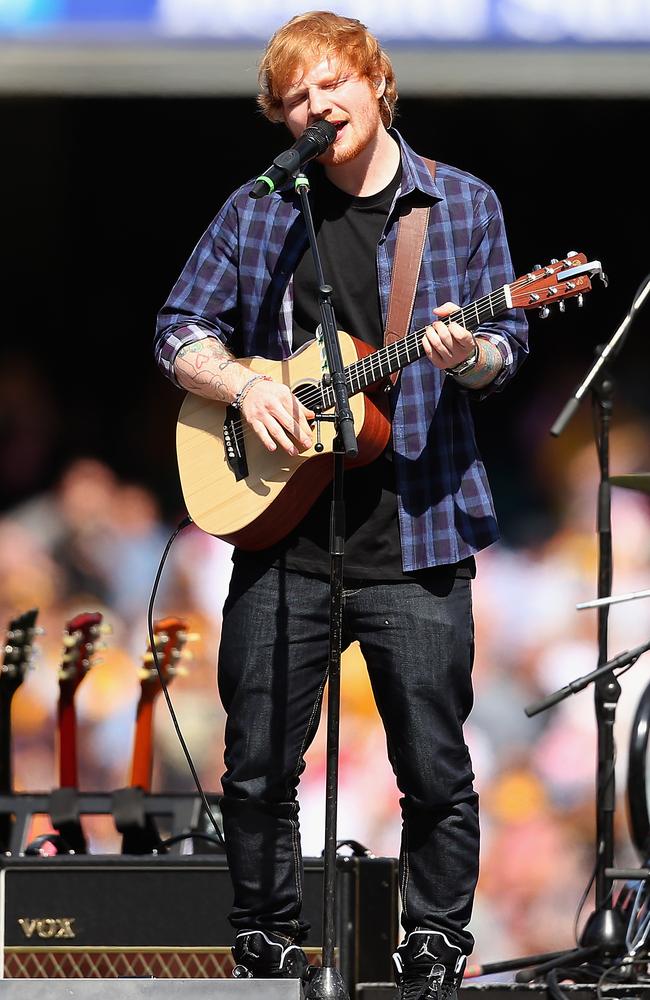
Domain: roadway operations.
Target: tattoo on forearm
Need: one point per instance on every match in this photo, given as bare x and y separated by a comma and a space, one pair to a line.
200, 367
487, 367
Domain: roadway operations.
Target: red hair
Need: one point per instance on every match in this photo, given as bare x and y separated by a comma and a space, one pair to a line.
312, 36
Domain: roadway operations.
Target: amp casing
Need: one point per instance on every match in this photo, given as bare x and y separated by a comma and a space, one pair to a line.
163, 916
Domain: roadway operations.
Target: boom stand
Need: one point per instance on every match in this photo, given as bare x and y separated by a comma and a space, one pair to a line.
603, 936
327, 983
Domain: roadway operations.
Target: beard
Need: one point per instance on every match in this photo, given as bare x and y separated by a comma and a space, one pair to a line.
358, 135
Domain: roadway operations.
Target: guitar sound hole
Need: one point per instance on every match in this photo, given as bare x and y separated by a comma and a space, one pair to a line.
309, 395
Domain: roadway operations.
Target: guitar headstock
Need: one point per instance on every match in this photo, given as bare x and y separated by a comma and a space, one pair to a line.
170, 636
82, 638
559, 280
18, 650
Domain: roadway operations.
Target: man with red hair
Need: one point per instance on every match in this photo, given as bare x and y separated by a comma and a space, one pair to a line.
415, 516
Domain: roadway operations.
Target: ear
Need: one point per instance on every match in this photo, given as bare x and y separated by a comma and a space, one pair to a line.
380, 87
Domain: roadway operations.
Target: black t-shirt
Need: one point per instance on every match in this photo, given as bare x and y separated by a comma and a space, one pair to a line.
348, 230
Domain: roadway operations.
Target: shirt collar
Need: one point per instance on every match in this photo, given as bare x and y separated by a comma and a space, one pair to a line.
415, 173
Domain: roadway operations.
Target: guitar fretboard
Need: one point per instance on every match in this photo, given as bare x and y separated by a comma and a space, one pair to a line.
380, 364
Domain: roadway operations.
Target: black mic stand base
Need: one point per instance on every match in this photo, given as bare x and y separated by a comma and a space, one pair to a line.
602, 942
605, 929
327, 984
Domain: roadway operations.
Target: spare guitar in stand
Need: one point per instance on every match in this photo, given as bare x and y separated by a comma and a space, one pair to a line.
133, 820
17, 658
82, 638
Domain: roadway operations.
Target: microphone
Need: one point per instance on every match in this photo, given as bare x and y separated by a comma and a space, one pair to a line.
313, 142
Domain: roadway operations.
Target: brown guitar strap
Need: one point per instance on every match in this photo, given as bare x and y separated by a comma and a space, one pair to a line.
411, 235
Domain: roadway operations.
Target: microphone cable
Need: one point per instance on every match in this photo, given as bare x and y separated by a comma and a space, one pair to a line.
185, 523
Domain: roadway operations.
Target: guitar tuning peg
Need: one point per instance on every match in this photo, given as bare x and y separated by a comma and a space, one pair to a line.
603, 277
189, 636
187, 654
554, 260
144, 674
544, 312
105, 629
537, 267
572, 253
70, 640
181, 671
561, 306
580, 300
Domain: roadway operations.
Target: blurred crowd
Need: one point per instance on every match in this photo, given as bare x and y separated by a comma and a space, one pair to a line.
93, 542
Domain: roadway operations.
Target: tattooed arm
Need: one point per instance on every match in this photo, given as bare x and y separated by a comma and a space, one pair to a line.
447, 345
206, 368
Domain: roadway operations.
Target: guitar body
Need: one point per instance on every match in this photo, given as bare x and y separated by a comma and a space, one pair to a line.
258, 510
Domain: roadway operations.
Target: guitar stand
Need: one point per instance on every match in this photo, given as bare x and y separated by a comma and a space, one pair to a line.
136, 824
139, 813
65, 815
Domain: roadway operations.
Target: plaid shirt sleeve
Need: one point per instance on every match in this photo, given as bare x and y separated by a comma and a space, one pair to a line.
203, 302
489, 256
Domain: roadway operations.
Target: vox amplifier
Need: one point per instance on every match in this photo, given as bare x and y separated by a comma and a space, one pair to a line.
111, 916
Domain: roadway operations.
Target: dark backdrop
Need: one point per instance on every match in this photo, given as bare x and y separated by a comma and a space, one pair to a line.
104, 199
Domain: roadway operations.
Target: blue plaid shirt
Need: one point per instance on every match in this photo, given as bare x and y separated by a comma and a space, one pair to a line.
237, 286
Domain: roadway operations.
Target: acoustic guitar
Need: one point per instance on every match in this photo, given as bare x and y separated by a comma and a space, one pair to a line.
237, 490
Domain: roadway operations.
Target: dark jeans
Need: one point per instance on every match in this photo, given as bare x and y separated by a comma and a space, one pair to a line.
417, 640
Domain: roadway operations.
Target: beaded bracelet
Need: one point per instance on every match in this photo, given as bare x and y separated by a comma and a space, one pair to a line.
241, 395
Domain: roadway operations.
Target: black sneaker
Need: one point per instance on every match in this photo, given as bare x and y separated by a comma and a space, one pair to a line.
428, 967
265, 955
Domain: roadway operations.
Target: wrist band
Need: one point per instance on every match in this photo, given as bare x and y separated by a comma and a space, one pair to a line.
467, 365
241, 395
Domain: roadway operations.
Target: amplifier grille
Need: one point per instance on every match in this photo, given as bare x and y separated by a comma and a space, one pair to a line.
70, 963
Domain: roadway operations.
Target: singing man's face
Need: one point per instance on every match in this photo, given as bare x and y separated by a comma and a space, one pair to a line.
326, 91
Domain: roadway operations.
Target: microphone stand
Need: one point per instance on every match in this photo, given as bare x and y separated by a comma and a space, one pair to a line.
604, 928
603, 936
327, 982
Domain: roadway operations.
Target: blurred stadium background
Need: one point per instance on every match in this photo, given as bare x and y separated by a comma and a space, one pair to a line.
125, 125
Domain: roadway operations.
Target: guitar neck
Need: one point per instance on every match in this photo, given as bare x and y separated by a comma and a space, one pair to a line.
67, 718
6, 769
142, 761
380, 364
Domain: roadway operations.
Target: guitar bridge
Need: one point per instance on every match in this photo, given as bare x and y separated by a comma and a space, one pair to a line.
233, 440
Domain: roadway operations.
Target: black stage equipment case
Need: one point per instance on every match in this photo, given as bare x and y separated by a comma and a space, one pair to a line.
165, 916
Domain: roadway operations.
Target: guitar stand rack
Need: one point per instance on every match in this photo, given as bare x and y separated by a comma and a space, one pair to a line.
138, 815
65, 816
136, 824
